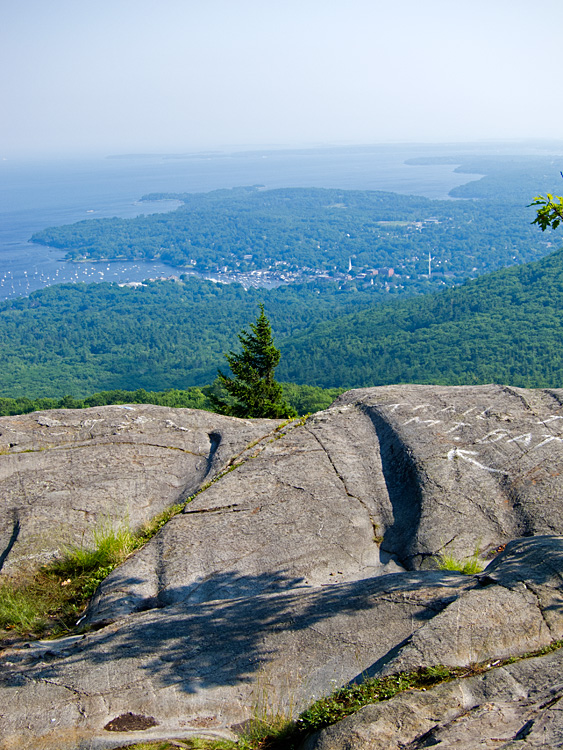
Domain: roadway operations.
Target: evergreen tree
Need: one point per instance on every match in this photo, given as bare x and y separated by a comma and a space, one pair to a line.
252, 392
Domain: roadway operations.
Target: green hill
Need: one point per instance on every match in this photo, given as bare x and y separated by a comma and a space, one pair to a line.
505, 327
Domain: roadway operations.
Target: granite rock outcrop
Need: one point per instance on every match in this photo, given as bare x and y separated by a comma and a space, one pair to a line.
314, 563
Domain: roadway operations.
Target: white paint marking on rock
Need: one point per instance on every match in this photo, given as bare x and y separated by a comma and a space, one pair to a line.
552, 418
429, 422
494, 436
394, 407
468, 411
456, 426
466, 455
421, 406
173, 425
525, 438
548, 439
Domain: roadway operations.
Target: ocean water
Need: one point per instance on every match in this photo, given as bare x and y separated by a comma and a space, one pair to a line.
36, 195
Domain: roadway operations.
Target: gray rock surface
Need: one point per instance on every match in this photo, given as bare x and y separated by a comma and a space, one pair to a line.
466, 467
191, 664
63, 472
516, 607
310, 565
384, 481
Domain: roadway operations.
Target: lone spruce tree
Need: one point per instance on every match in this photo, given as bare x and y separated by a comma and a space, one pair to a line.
252, 390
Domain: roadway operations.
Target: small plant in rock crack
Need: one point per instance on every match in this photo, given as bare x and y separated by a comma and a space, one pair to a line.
349, 699
468, 565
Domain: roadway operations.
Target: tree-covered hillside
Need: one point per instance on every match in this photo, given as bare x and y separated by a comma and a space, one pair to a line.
505, 327
81, 338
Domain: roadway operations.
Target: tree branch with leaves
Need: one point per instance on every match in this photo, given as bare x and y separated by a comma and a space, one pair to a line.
550, 213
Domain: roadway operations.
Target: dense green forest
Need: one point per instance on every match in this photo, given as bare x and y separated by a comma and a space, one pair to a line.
311, 231
78, 339
81, 338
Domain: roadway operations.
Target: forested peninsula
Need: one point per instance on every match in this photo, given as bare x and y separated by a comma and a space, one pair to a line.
394, 242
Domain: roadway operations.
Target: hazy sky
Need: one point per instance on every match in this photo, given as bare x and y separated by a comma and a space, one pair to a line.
113, 76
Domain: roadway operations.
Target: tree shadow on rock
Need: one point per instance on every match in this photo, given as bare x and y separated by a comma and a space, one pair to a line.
227, 642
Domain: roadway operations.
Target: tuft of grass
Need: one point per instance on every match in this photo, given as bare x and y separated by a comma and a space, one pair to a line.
84, 568
111, 545
22, 610
468, 565
38, 606
377, 537
270, 723
48, 602
259, 735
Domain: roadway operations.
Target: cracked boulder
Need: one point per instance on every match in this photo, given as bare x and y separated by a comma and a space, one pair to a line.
64, 472
386, 480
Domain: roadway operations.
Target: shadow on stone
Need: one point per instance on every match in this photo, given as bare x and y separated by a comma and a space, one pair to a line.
403, 487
